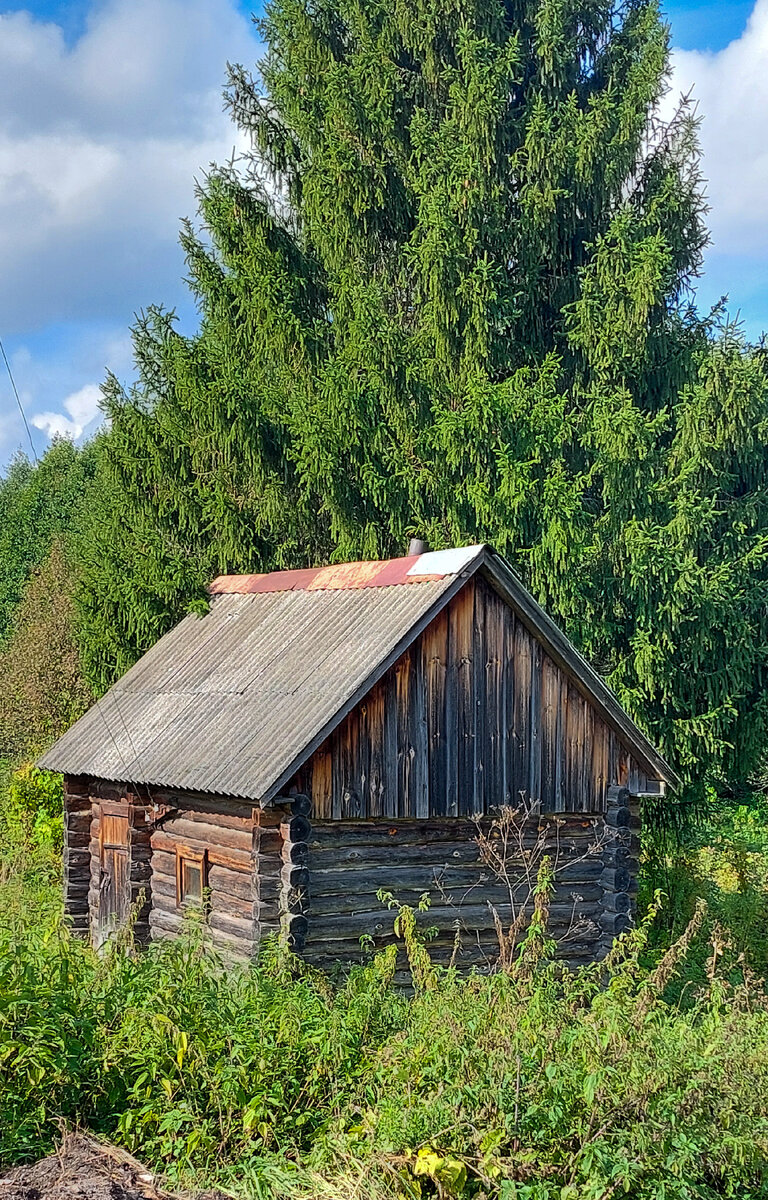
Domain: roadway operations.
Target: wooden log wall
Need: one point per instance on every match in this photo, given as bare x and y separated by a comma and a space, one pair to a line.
227, 832
77, 855
140, 867
350, 861
95, 877
138, 850
619, 852
256, 875
474, 715
294, 902
83, 799
257, 868
316, 882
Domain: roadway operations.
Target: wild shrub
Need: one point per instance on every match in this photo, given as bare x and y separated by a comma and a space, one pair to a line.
41, 685
532, 1083
723, 856
30, 859
31, 810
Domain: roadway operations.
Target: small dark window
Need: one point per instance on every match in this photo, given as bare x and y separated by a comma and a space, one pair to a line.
190, 877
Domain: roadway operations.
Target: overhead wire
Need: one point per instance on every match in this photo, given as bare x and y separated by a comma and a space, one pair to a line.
18, 401
100, 706
112, 736
35, 457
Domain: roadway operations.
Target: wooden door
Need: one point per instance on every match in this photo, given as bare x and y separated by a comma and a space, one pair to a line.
115, 883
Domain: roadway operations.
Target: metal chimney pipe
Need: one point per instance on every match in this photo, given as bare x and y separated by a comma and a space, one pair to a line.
417, 546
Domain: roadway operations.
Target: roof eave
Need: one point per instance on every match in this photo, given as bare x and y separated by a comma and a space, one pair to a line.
565, 654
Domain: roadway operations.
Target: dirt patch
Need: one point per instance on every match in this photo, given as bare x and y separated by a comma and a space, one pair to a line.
84, 1169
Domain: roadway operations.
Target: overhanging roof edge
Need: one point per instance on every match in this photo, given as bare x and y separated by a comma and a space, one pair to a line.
576, 666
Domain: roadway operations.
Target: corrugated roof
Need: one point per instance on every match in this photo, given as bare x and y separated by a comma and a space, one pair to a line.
415, 568
227, 702
234, 702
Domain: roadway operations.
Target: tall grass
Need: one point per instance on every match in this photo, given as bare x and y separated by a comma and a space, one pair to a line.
538, 1085
270, 1080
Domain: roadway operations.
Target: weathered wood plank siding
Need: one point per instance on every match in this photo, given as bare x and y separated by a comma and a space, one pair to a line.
474, 715
77, 854
350, 861
84, 876
227, 833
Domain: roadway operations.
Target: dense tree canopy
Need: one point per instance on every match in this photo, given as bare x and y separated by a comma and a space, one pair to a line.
448, 294
38, 504
42, 690
42, 514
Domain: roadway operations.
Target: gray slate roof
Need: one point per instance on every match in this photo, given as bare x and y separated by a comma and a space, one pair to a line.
224, 703
234, 702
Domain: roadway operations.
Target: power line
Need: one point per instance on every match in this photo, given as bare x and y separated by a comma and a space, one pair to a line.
111, 734
18, 400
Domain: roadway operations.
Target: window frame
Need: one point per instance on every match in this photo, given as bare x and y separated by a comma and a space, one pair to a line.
198, 858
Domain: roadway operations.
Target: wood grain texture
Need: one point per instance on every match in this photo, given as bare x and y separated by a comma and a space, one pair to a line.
226, 839
350, 862
78, 819
474, 715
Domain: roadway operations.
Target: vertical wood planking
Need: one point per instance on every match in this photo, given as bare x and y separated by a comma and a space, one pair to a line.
550, 696
495, 702
321, 789
588, 793
435, 658
462, 623
336, 773
350, 766
623, 766
634, 777
375, 751
405, 751
579, 799
419, 797
475, 714
357, 782
599, 763
522, 713
570, 781
508, 683
534, 749
453, 711
561, 700
391, 762
479, 797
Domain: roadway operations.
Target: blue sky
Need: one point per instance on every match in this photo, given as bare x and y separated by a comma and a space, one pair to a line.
109, 110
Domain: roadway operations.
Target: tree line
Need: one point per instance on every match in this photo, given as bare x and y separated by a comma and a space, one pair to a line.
448, 293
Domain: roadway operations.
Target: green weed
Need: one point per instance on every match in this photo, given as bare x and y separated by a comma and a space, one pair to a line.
639, 1077
535, 1084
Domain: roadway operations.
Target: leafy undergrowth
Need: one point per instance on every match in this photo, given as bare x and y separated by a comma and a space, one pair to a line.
266, 1081
723, 857
274, 1081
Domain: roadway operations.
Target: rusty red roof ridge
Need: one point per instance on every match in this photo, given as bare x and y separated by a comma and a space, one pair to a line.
390, 572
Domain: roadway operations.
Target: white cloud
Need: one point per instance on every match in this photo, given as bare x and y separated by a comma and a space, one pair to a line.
101, 140
49, 372
83, 409
731, 88
100, 144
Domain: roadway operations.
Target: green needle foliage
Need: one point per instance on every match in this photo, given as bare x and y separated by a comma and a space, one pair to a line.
447, 293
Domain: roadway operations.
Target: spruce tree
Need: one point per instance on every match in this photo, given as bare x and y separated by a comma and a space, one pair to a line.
448, 294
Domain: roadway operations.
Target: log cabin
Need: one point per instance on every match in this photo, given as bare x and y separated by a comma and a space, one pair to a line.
412, 726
